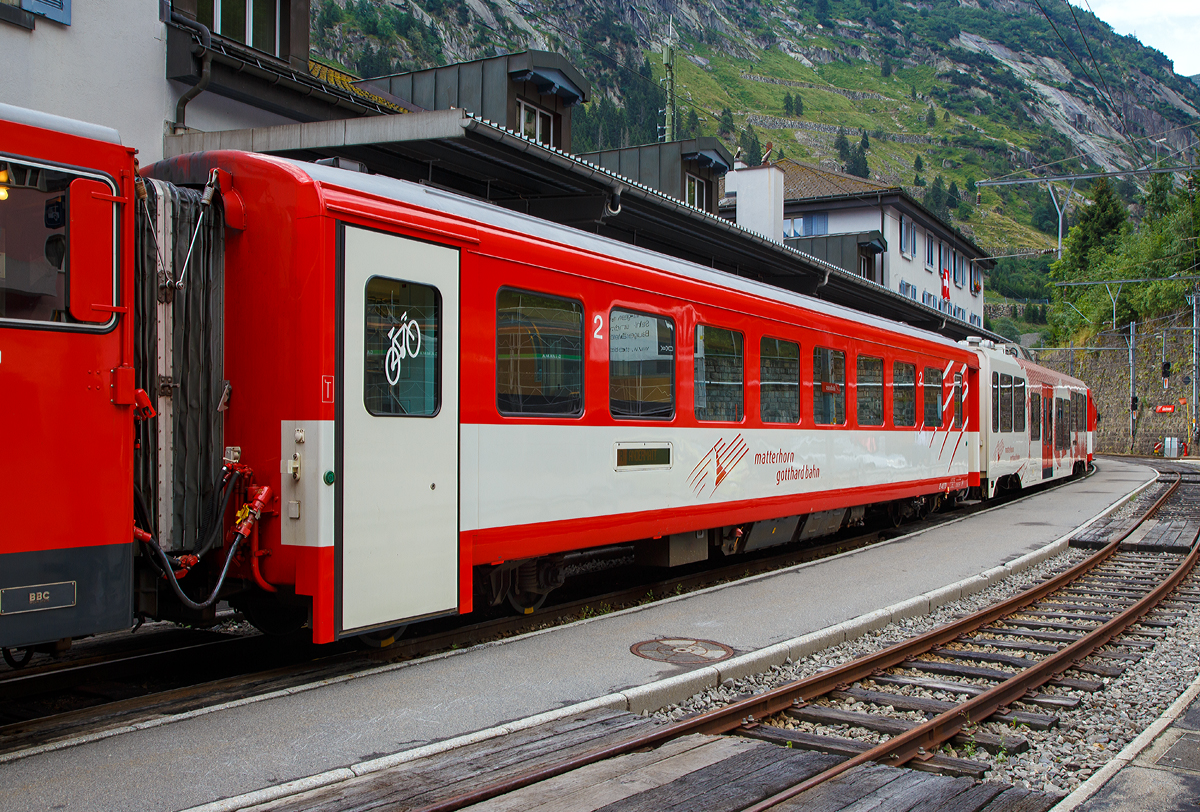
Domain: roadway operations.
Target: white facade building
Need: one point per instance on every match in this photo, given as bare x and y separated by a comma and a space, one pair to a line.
880, 233
125, 64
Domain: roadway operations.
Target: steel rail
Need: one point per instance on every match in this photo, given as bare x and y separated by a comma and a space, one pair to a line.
920, 741
732, 716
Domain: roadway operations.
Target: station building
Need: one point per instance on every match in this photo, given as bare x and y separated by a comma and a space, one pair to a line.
875, 231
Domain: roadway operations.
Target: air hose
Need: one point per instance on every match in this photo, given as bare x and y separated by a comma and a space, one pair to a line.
249, 517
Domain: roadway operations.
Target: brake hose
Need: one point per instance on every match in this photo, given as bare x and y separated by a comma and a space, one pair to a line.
252, 513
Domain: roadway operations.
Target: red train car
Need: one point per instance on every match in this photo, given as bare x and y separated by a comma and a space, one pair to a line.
433, 403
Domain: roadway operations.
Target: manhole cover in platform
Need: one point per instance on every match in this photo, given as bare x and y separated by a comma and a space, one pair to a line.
682, 651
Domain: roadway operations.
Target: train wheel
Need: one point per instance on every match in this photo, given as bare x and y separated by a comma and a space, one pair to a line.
895, 513
381, 638
17, 662
526, 603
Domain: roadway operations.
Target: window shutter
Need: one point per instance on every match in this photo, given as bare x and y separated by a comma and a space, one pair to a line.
57, 10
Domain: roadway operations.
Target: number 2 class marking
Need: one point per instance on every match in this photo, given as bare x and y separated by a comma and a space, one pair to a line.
599, 320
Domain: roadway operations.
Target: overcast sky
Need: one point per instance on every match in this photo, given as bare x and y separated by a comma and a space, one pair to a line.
1171, 26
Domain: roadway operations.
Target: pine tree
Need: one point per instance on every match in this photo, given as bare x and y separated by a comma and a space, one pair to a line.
918, 164
886, 68
865, 143
788, 110
725, 125
691, 125
842, 145
952, 196
1099, 227
751, 148
857, 163
798, 105
914, 92
935, 198
931, 118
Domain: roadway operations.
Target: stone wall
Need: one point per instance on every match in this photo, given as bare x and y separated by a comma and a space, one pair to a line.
1107, 373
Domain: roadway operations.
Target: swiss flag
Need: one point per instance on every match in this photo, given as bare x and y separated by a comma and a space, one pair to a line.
945, 283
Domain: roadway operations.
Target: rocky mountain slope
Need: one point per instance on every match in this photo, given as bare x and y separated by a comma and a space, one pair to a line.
962, 89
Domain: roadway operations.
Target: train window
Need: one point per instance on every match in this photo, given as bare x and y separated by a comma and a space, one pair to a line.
1035, 416
1019, 405
904, 394
933, 397
995, 401
402, 376
718, 363
1060, 424
539, 354
779, 376
34, 266
829, 387
869, 392
641, 365
958, 400
1006, 402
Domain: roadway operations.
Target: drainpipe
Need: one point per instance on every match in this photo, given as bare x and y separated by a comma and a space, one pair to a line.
883, 234
205, 52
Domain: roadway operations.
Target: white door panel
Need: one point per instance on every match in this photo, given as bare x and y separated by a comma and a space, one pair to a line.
399, 512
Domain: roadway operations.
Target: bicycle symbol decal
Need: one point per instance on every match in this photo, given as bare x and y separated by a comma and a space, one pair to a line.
406, 343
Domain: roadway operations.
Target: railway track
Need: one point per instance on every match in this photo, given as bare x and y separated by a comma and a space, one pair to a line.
1019, 662
190, 669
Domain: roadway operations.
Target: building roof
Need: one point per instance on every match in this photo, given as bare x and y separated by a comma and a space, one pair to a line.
805, 180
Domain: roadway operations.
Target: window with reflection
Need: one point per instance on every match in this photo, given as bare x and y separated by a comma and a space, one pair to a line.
995, 401
1006, 402
641, 365
932, 395
904, 394
868, 381
958, 400
401, 374
1019, 404
34, 267
539, 354
718, 365
1035, 416
829, 387
779, 381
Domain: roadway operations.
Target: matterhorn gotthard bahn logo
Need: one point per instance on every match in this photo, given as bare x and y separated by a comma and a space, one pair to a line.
720, 461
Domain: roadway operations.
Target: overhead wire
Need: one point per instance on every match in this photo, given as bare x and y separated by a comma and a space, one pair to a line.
1112, 102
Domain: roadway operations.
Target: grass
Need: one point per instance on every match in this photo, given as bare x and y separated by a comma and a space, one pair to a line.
996, 222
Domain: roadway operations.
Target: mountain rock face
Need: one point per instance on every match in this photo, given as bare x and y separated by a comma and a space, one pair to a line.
978, 87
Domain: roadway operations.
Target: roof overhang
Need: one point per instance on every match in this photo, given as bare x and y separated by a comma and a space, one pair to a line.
453, 150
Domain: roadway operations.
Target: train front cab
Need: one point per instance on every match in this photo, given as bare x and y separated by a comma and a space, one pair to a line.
1036, 425
66, 380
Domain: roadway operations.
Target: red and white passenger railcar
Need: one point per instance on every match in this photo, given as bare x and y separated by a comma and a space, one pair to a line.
436, 401
1037, 423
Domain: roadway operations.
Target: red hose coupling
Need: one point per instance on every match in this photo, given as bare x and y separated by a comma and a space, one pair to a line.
261, 498
141, 535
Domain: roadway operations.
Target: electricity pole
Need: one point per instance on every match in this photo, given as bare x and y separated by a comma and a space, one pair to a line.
668, 54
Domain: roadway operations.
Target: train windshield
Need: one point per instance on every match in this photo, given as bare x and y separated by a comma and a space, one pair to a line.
34, 265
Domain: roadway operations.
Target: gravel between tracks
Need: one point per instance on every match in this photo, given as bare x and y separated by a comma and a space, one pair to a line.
1059, 759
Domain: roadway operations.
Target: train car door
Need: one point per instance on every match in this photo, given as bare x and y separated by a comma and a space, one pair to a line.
1047, 432
397, 490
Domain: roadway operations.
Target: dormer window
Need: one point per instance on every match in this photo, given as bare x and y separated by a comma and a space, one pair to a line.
536, 124
251, 22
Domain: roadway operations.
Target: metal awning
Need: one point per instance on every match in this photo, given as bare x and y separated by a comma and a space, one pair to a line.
456, 151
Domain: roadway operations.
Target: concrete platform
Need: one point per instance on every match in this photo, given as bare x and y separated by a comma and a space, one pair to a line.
344, 727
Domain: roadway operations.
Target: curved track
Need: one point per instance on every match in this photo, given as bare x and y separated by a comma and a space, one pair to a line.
1058, 633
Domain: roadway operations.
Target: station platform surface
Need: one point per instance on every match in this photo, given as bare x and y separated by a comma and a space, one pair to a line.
1158, 772
260, 744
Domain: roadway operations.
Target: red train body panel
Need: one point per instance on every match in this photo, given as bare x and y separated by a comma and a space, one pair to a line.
448, 401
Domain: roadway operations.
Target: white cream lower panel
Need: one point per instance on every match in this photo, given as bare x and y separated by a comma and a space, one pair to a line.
541, 473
